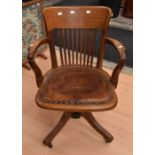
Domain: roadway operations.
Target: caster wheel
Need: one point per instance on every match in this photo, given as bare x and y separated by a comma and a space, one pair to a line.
109, 140
50, 145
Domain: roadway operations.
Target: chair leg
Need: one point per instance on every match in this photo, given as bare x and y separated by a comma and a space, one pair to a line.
63, 120
91, 120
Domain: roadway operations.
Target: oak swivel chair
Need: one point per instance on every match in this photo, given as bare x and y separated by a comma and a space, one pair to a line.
77, 85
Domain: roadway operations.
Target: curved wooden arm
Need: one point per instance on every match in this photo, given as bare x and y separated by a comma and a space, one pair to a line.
30, 56
26, 4
121, 52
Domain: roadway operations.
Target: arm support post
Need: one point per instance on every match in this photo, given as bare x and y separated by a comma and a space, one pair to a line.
30, 56
120, 49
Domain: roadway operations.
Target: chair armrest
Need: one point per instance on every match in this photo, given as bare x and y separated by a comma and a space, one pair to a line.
30, 56
120, 49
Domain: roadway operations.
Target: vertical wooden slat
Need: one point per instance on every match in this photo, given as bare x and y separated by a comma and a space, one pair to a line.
81, 37
52, 50
60, 46
72, 41
64, 45
85, 45
89, 45
77, 45
93, 46
101, 50
68, 45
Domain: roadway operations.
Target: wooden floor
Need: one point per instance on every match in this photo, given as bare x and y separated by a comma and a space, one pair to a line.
77, 137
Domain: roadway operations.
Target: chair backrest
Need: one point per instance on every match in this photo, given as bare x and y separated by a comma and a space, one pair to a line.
74, 30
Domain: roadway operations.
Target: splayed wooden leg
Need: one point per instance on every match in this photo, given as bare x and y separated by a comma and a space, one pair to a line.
63, 120
91, 120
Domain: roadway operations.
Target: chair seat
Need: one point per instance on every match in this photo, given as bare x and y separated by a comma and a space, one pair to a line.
76, 88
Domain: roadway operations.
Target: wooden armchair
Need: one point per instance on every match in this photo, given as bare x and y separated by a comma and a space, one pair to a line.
76, 85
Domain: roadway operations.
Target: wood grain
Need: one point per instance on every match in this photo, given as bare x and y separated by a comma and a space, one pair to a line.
77, 137
77, 88
64, 20
26, 4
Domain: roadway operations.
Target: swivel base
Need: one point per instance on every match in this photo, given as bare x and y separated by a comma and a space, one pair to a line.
86, 115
